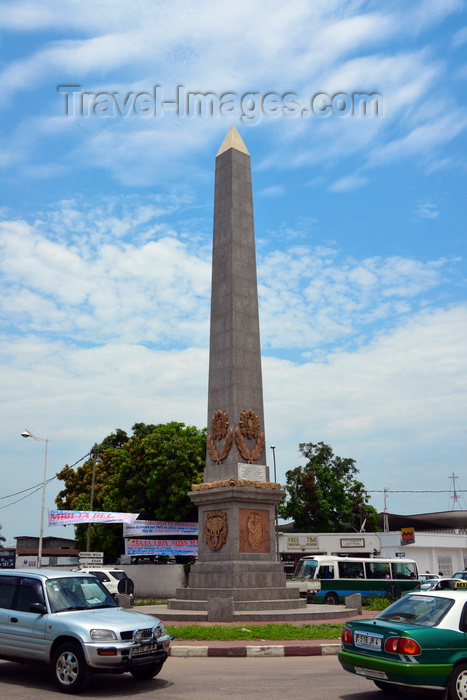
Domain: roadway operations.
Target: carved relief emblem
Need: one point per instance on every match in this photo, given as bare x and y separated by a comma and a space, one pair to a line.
254, 530
215, 529
249, 428
219, 431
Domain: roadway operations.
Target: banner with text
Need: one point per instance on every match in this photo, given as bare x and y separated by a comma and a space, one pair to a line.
159, 528
137, 547
78, 517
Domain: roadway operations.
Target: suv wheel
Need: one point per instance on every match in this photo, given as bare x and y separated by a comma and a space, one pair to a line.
71, 673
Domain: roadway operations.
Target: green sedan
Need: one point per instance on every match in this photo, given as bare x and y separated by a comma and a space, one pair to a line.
420, 641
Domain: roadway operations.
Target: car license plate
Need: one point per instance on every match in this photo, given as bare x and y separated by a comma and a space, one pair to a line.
370, 672
144, 648
368, 641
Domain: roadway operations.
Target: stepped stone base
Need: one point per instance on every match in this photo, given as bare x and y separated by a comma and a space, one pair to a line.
311, 612
221, 589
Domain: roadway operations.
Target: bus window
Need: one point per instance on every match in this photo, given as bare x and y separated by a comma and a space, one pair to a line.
404, 570
350, 569
326, 571
377, 569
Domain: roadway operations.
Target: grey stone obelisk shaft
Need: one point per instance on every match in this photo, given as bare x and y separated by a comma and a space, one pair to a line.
235, 377
237, 570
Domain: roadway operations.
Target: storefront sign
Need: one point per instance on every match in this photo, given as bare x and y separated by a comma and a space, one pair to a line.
302, 542
352, 542
407, 535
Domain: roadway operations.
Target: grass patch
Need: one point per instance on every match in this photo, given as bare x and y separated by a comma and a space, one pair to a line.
150, 601
256, 632
375, 603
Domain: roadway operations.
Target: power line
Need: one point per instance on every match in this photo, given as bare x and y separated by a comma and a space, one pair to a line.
36, 487
407, 491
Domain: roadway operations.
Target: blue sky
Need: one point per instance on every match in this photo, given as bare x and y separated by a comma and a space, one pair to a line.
106, 226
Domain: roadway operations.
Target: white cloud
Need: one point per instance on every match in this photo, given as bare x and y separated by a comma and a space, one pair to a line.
310, 297
350, 182
396, 405
96, 289
273, 191
87, 274
425, 210
460, 38
290, 47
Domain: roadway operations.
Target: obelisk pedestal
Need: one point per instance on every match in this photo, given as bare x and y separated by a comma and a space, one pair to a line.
237, 569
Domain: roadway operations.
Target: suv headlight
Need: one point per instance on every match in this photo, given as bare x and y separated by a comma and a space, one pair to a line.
103, 635
159, 631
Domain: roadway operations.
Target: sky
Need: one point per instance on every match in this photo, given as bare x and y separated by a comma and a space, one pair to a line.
107, 173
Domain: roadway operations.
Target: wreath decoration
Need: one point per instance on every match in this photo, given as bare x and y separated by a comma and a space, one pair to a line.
219, 431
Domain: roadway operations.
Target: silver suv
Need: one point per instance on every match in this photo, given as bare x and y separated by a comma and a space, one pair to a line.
69, 621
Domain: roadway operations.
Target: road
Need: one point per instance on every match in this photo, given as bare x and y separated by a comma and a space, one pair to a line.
274, 678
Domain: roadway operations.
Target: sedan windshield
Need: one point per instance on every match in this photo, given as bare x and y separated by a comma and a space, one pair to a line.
425, 610
77, 593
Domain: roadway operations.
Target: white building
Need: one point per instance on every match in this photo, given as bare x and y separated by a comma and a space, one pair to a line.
439, 541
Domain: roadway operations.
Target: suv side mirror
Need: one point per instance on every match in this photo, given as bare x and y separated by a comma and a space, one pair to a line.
38, 608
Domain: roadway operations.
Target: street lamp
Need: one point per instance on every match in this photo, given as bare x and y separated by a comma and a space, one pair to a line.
94, 454
27, 434
273, 448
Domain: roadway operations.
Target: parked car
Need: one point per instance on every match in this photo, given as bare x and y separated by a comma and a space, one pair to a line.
429, 577
70, 622
460, 574
420, 641
428, 585
115, 580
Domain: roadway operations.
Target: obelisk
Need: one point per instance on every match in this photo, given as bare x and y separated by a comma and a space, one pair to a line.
237, 569
235, 391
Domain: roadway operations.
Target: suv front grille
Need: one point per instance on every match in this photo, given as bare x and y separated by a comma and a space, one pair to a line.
128, 635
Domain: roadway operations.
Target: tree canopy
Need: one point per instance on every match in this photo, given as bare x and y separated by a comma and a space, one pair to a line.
149, 473
324, 495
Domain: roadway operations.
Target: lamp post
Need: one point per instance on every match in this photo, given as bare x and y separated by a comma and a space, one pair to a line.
94, 454
27, 434
276, 524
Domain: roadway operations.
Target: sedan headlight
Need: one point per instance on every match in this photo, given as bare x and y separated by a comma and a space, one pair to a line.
103, 635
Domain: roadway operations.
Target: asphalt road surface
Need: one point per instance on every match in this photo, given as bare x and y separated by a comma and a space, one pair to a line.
272, 678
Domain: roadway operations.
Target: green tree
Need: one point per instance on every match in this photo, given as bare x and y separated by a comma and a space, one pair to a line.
324, 495
149, 473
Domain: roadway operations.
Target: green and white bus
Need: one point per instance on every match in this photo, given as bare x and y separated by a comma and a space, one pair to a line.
328, 579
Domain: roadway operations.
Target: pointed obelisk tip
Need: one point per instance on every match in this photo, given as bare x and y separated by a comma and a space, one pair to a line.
232, 140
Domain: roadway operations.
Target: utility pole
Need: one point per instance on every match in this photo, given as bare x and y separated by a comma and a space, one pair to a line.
385, 513
455, 497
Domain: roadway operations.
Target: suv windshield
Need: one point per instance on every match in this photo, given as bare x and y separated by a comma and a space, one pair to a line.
77, 593
425, 610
